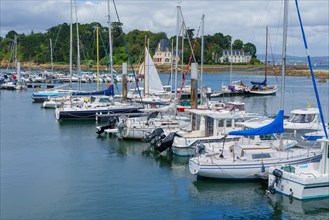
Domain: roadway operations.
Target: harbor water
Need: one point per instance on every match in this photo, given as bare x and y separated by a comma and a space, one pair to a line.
64, 170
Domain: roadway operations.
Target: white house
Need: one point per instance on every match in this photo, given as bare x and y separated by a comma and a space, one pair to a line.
237, 56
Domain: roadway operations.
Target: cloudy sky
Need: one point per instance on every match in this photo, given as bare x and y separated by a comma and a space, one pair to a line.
242, 19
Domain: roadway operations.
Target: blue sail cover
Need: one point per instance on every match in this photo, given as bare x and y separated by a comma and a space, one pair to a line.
109, 92
275, 127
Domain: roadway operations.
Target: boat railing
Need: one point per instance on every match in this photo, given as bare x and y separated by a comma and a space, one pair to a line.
308, 174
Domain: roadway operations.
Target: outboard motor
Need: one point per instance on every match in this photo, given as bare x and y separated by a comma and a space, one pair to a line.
112, 122
278, 175
156, 134
201, 148
165, 143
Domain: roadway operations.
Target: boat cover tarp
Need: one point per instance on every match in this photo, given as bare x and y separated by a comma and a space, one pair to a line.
259, 83
275, 127
109, 92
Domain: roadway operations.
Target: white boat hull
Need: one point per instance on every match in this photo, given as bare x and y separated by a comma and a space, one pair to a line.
218, 168
298, 187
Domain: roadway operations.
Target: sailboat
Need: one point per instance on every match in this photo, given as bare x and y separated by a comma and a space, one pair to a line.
41, 96
153, 91
306, 181
247, 161
13, 82
262, 88
236, 87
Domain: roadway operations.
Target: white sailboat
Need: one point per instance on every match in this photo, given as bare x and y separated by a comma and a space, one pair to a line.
245, 161
153, 91
262, 88
310, 180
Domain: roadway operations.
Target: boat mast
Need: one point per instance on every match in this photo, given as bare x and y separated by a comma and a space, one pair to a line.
148, 68
97, 60
78, 46
202, 51
182, 34
51, 56
231, 59
312, 73
71, 42
110, 42
144, 66
176, 55
171, 64
266, 53
284, 50
15, 45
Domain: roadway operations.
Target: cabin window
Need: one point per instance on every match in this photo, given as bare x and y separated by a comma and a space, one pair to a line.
104, 100
220, 123
209, 126
302, 118
228, 123
261, 156
267, 137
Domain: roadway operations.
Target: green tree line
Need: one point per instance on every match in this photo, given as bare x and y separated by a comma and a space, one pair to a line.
35, 47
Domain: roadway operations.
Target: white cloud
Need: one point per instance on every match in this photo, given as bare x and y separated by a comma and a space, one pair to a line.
242, 19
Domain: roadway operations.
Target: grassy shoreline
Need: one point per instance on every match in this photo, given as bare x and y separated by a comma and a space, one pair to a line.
210, 69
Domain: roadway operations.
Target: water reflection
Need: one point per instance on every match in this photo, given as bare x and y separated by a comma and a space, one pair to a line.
244, 197
283, 205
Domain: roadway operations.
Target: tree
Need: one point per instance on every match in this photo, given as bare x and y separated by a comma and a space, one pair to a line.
34, 47
11, 34
237, 44
251, 48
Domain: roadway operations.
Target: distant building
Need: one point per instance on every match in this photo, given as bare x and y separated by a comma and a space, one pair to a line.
162, 53
238, 56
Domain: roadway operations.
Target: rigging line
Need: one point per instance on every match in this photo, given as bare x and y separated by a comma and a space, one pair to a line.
189, 63
186, 33
102, 41
311, 70
11, 49
273, 66
127, 51
57, 36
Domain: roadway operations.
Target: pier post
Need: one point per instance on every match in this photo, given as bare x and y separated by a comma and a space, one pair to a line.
194, 86
124, 81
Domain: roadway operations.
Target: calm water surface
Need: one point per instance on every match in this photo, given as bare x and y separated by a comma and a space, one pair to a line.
62, 170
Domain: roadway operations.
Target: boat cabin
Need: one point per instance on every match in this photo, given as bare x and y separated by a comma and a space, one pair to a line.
307, 115
212, 123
